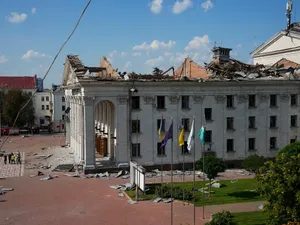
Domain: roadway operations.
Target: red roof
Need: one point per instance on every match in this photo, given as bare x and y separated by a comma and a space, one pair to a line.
11, 82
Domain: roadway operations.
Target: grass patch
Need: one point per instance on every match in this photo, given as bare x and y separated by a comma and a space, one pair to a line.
239, 191
250, 218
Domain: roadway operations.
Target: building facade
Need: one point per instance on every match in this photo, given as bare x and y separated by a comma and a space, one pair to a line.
59, 108
43, 106
114, 120
285, 44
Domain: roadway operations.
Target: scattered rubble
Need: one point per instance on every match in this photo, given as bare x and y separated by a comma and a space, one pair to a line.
48, 177
121, 194
131, 202
157, 200
168, 200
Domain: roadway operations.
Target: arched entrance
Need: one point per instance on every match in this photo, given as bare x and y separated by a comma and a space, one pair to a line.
105, 132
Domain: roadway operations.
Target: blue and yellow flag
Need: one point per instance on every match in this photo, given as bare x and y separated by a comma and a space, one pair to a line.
181, 137
160, 133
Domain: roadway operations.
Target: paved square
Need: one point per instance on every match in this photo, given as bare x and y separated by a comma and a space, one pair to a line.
11, 170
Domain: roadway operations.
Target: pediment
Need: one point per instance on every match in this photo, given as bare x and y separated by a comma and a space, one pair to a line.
279, 42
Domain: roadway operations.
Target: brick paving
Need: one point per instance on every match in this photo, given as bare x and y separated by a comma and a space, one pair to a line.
11, 170
75, 201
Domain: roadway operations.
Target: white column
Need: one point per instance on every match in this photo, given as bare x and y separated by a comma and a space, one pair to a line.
108, 130
89, 137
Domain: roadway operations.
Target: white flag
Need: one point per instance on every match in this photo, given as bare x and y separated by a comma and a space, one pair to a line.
190, 140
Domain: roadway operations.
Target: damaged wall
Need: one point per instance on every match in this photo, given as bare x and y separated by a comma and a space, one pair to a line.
110, 71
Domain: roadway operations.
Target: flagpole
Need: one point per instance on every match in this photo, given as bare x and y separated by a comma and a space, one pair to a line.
172, 174
161, 163
194, 169
203, 181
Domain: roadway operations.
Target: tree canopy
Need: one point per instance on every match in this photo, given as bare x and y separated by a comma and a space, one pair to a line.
279, 183
11, 103
157, 71
291, 149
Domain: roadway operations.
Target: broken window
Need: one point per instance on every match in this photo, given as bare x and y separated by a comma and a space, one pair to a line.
273, 143
135, 149
208, 136
186, 124
230, 145
161, 102
230, 123
294, 100
251, 101
47, 107
162, 126
251, 144
273, 100
63, 108
251, 122
230, 101
273, 121
185, 102
43, 107
160, 151
135, 126
135, 102
184, 149
293, 121
208, 113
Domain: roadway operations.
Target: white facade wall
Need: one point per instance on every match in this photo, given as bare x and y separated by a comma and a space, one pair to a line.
202, 95
42, 105
59, 107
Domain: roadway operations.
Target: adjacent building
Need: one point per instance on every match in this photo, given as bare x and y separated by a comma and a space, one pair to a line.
59, 108
283, 45
43, 108
245, 109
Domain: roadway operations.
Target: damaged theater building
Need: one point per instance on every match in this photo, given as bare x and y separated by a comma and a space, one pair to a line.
113, 118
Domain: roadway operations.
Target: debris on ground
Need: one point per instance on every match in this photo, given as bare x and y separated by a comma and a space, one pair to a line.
169, 200
48, 177
124, 187
7, 189
121, 194
131, 202
38, 174
64, 168
43, 156
233, 181
72, 175
121, 173
157, 200
216, 185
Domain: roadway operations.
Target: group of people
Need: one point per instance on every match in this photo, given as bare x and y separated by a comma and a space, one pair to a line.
12, 158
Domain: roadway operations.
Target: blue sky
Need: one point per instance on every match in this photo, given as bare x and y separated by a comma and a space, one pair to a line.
134, 34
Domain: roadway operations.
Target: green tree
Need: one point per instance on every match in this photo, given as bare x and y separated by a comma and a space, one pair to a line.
157, 71
212, 166
291, 149
279, 183
253, 162
221, 218
13, 100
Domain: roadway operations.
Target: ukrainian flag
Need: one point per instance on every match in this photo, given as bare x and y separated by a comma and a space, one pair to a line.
160, 133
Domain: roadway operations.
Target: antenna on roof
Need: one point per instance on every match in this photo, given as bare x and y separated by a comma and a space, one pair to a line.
289, 9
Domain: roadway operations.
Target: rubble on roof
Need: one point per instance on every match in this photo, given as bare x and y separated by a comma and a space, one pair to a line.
238, 71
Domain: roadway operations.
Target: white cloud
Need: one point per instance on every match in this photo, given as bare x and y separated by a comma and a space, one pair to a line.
207, 5
155, 62
3, 59
198, 42
33, 10
168, 53
127, 65
136, 54
181, 6
17, 18
112, 54
30, 54
156, 6
123, 54
155, 45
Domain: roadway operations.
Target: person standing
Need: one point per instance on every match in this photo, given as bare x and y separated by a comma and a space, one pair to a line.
9, 157
5, 159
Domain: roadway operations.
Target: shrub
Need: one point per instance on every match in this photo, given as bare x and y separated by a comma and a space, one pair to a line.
178, 192
253, 162
221, 218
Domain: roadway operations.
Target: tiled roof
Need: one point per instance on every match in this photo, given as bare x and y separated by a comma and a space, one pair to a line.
12, 82
191, 69
287, 64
